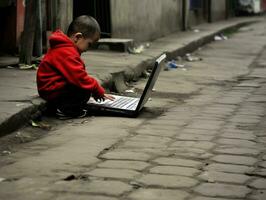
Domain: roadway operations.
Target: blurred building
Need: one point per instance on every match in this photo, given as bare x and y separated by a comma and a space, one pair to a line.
143, 20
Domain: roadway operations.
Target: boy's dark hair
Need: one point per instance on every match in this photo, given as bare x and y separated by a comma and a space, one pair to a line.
84, 24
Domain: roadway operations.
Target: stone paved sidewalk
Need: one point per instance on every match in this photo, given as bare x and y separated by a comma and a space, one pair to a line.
18, 102
204, 138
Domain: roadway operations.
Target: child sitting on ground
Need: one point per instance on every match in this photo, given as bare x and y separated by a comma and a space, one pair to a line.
62, 79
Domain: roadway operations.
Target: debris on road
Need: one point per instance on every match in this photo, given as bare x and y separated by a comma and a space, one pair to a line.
220, 37
245, 29
130, 91
191, 58
26, 67
139, 49
40, 125
6, 152
2, 179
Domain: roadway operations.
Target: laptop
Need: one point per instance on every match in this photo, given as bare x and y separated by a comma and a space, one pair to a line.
130, 106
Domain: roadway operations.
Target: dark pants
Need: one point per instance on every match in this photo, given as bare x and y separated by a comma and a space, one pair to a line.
71, 101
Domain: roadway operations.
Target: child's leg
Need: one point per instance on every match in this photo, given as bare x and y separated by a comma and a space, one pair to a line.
72, 102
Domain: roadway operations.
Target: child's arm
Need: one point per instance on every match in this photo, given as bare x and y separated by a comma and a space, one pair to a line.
73, 69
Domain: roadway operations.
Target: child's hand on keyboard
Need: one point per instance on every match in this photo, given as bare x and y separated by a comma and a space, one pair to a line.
109, 97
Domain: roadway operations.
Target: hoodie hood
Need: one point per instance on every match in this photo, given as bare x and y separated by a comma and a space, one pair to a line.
59, 39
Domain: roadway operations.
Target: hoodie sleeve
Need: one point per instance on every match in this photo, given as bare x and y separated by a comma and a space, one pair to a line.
74, 71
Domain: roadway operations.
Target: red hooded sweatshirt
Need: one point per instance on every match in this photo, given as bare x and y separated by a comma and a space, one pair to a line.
63, 66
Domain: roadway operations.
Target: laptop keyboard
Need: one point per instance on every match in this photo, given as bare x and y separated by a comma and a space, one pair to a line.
121, 102
125, 103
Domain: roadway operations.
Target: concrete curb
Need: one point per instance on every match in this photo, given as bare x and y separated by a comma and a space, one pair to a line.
114, 82
23, 116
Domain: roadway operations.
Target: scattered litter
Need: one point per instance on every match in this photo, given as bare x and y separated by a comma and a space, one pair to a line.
207, 177
136, 50
146, 74
6, 152
245, 29
70, 178
139, 49
220, 37
2, 179
130, 91
172, 64
150, 99
10, 67
20, 104
153, 89
191, 58
34, 124
25, 67
196, 30
40, 125
147, 45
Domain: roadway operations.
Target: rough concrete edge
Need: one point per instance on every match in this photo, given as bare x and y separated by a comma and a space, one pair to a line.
21, 118
194, 45
133, 73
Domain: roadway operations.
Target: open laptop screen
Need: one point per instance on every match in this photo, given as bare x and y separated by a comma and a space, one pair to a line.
151, 82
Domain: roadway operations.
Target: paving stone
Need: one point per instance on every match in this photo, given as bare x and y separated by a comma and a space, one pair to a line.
159, 151
159, 127
238, 131
156, 132
211, 116
259, 195
212, 177
238, 169
158, 194
208, 198
257, 98
113, 173
206, 125
95, 187
199, 131
258, 183
126, 155
222, 190
259, 172
251, 111
241, 126
248, 136
221, 111
237, 151
168, 122
178, 162
237, 142
67, 196
144, 144
194, 144
120, 164
244, 119
193, 137
230, 100
181, 171
264, 157
167, 181
239, 160
262, 140
147, 138
190, 153
115, 188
